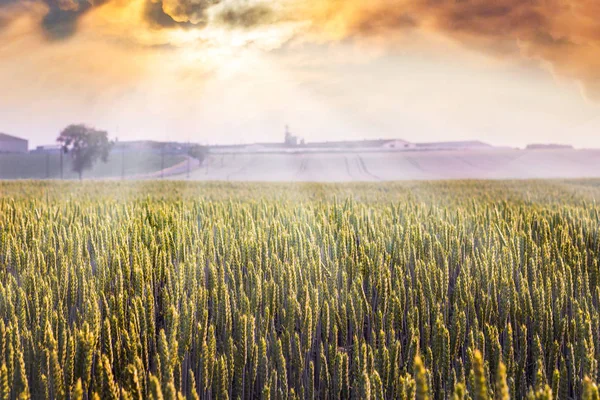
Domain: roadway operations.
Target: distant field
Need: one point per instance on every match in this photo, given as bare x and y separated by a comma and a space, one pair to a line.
327, 167
387, 166
41, 166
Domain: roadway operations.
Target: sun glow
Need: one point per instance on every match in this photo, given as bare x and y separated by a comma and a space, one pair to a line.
226, 51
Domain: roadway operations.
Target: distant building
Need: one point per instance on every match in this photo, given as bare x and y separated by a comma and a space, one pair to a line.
133, 146
248, 148
12, 144
397, 144
458, 145
293, 143
150, 146
48, 148
548, 146
290, 140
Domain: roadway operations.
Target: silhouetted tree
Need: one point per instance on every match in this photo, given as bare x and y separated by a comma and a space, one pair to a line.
198, 152
86, 145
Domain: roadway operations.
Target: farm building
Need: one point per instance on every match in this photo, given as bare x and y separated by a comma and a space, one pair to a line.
293, 144
363, 144
12, 144
458, 145
134, 146
248, 148
397, 144
548, 146
48, 148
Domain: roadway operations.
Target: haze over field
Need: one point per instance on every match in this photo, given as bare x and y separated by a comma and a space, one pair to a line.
227, 71
398, 166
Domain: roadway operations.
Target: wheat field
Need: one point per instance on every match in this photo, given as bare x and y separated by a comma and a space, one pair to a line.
280, 291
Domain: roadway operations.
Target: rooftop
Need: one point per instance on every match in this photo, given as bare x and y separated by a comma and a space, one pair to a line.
458, 143
341, 143
6, 137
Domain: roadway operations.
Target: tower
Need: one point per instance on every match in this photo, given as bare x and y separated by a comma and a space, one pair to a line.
290, 140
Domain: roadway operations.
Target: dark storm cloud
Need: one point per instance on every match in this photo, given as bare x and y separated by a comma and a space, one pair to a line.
178, 13
246, 16
4, 16
62, 16
562, 33
193, 14
3, 21
8, 10
157, 16
59, 22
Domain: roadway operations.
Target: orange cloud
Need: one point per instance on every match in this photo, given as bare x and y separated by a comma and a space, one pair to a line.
562, 34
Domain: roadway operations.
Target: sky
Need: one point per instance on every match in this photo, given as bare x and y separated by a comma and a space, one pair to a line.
508, 72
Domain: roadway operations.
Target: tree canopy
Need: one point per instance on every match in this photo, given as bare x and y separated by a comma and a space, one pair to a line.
86, 145
198, 152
